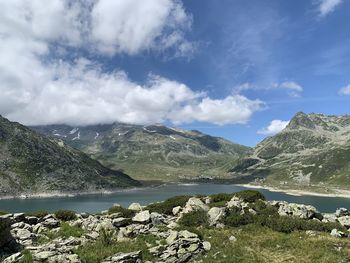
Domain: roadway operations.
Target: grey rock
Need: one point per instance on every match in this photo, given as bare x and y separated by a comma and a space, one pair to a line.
232, 239
342, 212
195, 204
336, 233
13, 258
176, 210
142, 217
157, 219
121, 221
344, 221
206, 245
132, 257
215, 214
172, 237
135, 207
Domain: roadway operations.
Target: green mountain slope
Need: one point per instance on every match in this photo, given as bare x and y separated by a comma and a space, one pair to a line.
152, 152
32, 163
313, 151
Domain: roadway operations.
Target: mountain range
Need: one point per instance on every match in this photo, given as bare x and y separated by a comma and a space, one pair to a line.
153, 152
33, 163
313, 152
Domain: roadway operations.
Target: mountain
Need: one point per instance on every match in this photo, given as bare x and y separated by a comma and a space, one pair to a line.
32, 163
312, 151
151, 152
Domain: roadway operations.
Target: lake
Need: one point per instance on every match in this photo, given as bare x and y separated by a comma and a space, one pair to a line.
97, 203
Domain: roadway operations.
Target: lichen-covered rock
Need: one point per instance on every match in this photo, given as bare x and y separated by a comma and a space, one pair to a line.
195, 204
215, 214
142, 217
344, 221
135, 207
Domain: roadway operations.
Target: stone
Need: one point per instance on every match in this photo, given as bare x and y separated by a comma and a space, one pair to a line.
176, 210
22, 234
232, 238
236, 202
121, 221
19, 217
157, 219
195, 204
344, 221
336, 233
172, 237
32, 220
298, 210
329, 218
172, 225
132, 257
215, 214
51, 223
142, 217
206, 245
342, 212
44, 255
193, 247
135, 207
187, 234
13, 258
92, 235
312, 233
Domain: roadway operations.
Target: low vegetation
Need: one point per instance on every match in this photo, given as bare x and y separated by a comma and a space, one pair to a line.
39, 213
123, 212
65, 215
166, 207
65, 231
96, 252
195, 219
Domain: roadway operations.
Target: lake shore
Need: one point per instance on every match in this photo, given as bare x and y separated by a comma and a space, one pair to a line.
294, 192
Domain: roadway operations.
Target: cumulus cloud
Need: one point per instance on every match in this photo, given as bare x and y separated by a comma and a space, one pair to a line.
345, 90
326, 7
274, 127
40, 86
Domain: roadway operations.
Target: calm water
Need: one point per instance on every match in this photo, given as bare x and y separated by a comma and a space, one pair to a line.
97, 203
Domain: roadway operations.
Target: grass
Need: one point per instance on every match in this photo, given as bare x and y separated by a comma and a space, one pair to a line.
65, 231
27, 257
96, 252
194, 219
3, 213
261, 244
39, 213
65, 215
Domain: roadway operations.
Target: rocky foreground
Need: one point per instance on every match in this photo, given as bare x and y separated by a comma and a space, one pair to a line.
25, 238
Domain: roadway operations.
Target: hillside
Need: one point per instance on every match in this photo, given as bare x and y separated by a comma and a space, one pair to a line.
31, 163
313, 151
151, 152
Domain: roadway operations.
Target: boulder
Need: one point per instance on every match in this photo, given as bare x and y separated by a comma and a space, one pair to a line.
336, 233
232, 238
142, 217
121, 221
135, 207
176, 210
206, 245
157, 219
237, 202
195, 204
344, 221
342, 212
329, 218
132, 257
5, 234
298, 210
215, 214
172, 237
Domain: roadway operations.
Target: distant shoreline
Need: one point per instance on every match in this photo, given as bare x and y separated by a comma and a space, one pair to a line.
294, 192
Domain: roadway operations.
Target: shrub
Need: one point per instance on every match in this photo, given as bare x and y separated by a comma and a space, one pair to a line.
40, 213
221, 197
264, 209
65, 215
236, 219
287, 224
250, 196
27, 257
124, 212
166, 207
195, 219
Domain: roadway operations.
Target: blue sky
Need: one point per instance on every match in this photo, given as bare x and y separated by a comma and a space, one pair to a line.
235, 69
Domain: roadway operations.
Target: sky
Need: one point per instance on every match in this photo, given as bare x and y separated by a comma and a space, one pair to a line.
232, 68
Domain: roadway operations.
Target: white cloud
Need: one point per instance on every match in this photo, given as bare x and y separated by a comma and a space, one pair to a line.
345, 90
131, 26
328, 6
293, 88
38, 87
274, 127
